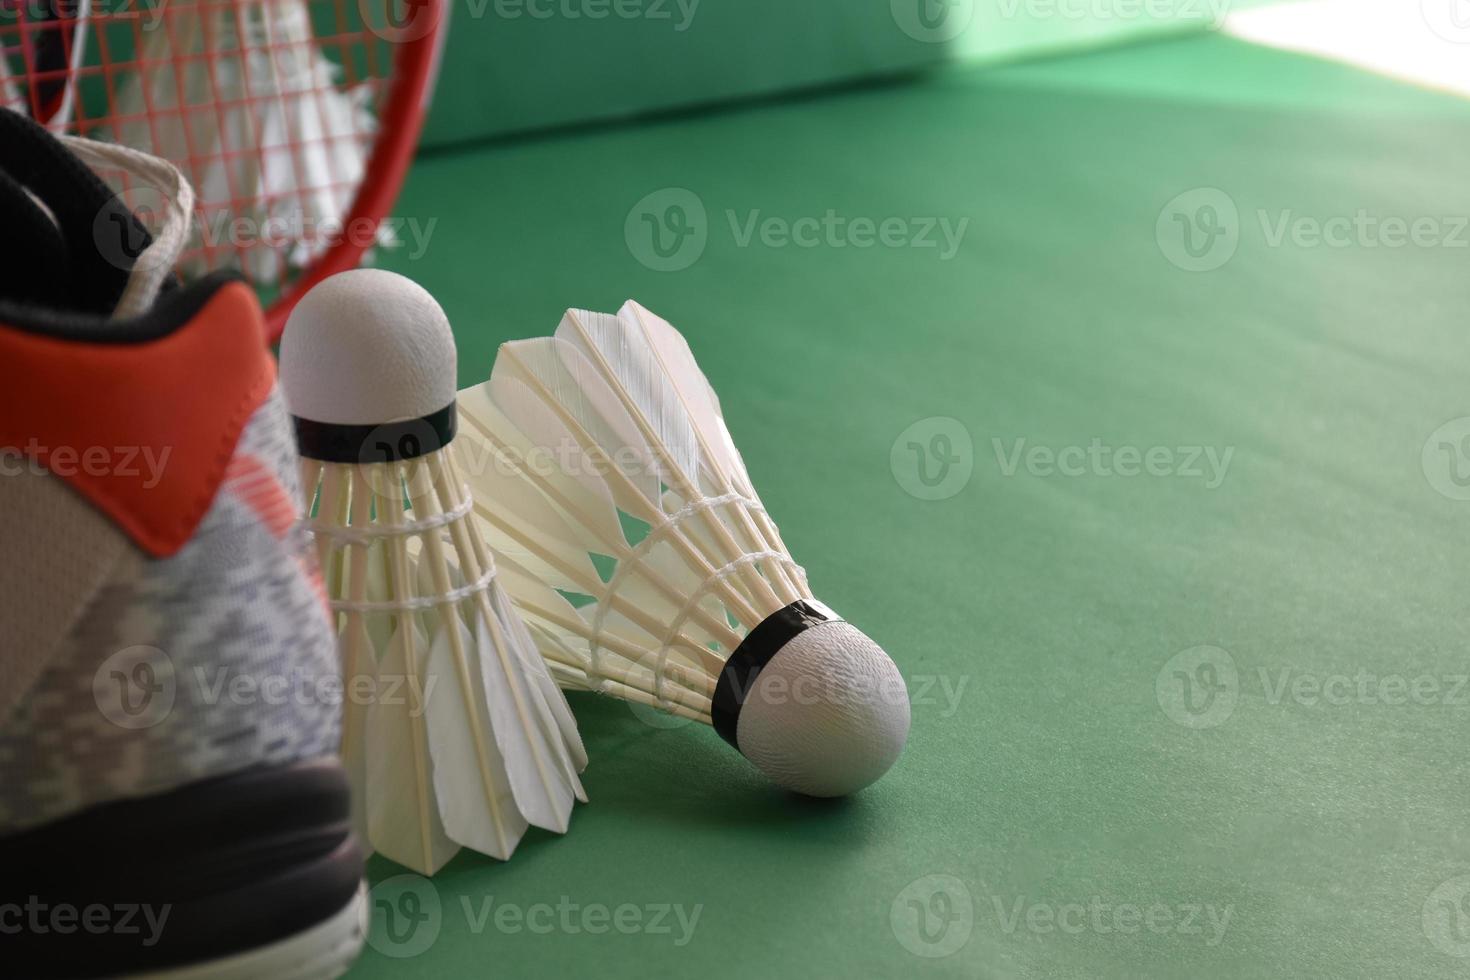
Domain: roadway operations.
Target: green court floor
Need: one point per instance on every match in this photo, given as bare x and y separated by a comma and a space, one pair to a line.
1151, 476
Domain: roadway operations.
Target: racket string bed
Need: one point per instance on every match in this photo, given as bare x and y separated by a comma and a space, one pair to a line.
293, 120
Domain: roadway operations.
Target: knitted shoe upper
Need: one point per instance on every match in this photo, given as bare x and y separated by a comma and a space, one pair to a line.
161, 615
216, 659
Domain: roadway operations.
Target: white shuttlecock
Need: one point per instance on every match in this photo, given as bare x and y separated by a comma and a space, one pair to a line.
465, 738
10, 97
602, 465
252, 110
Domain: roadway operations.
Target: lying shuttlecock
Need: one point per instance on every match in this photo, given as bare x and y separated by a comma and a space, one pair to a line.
466, 739
603, 467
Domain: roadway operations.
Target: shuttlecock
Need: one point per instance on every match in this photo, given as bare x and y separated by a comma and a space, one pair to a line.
10, 97
465, 738
604, 470
250, 108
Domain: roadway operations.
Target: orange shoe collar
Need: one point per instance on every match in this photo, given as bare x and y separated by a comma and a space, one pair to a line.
142, 430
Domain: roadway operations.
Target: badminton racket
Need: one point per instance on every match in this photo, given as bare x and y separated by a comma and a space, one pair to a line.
294, 120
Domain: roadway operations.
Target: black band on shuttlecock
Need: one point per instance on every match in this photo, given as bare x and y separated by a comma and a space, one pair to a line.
387, 443
754, 652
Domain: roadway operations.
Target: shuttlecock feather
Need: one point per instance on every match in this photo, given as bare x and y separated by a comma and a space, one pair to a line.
465, 739
248, 105
10, 97
647, 567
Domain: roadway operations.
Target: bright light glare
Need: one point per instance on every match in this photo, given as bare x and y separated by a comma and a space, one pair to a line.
1426, 42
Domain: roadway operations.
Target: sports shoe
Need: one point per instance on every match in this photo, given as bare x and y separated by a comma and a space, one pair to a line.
170, 800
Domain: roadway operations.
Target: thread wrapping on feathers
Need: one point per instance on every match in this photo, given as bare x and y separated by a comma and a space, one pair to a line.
633, 540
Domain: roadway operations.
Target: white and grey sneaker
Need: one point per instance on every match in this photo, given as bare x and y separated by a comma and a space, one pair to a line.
171, 803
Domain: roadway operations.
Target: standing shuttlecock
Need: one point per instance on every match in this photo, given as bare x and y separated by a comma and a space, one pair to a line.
465, 739
602, 466
240, 96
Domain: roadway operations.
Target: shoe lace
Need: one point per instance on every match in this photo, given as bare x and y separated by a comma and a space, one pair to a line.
155, 264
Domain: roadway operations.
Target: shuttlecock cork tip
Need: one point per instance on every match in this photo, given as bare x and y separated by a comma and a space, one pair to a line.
366, 347
814, 703
363, 350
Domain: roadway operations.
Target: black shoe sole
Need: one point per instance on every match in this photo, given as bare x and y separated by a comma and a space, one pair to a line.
206, 873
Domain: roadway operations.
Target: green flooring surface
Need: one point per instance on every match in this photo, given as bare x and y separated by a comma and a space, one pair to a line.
1173, 560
